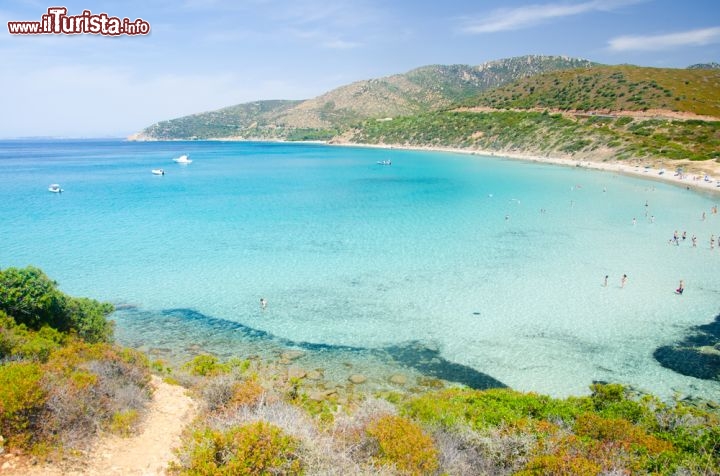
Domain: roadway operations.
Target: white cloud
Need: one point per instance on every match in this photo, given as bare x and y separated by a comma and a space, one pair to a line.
504, 19
697, 37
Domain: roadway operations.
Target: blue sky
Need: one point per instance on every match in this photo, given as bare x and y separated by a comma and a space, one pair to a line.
206, 54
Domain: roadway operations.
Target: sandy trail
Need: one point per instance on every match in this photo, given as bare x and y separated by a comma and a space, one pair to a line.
146, 453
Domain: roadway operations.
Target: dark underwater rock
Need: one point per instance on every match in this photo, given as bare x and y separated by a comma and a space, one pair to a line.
698, 355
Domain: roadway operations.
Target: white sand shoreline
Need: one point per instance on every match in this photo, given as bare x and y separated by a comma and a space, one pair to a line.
693, 177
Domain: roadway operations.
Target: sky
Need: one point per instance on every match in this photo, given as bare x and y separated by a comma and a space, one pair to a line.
202, 55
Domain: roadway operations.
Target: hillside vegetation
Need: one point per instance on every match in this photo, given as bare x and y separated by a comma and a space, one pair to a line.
423, 89
61, 379
612, 88
227, 122
549, 134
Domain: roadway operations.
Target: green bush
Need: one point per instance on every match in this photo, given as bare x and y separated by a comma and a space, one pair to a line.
21, 400
31, 298
481, 409
254, 449
404, 445
88, 318
205, 365
122, 422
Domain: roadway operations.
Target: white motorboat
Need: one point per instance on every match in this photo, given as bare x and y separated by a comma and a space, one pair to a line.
183, 159
158, 172
384, 162
55, 188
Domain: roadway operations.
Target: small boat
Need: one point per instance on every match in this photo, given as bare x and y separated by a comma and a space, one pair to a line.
158, 172
384, 162
55, 188
183, 159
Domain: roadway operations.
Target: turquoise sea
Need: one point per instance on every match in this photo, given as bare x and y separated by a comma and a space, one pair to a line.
477, 270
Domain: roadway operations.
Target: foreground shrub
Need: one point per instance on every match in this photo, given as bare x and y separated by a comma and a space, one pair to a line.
17, 342
247, 392
254, 449
566, 465
21, 399
602, 445
88, 386
621, 432
403, 444
204, 365
32, 299
122, 422
486, 408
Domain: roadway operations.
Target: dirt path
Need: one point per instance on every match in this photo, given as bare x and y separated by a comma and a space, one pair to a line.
147, 453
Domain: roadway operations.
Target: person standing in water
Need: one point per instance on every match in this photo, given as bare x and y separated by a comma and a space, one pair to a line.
623, 280
680, 288
263, 303
605, 282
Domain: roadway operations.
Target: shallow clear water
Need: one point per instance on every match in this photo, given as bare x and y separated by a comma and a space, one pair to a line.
443, 257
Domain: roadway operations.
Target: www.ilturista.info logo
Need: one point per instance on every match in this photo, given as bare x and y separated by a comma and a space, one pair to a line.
58, 22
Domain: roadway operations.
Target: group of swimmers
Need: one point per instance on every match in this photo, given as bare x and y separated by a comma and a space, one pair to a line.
624, 279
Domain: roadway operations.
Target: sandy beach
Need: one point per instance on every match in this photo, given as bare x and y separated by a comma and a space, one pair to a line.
698, 176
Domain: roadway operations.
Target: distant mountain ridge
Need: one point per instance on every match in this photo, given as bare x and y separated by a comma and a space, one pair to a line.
711, 65
424, 89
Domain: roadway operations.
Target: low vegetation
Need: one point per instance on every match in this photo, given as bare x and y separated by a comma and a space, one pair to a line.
61, 378
611, 88
544, 133
58, 390
453, 431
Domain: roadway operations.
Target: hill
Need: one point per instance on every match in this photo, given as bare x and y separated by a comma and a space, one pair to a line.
611, 88
428, 88
593, 137
598, 113
225, 122
711, 65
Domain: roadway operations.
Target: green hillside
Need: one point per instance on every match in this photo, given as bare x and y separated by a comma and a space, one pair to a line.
226, 122
611, 88
421, 90
544, 133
